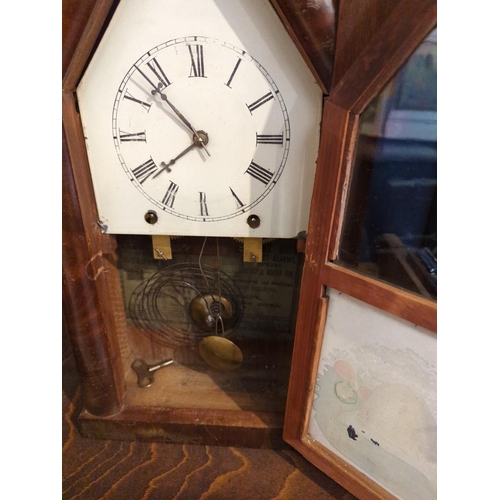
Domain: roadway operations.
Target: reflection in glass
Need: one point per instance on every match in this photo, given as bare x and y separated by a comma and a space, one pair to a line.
390, 227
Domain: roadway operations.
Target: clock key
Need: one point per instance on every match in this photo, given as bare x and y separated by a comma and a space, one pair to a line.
145, 372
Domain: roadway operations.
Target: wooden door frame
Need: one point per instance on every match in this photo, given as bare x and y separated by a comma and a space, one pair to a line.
391, 45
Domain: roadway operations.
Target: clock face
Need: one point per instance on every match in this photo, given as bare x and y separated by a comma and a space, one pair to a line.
201, 129
200, 118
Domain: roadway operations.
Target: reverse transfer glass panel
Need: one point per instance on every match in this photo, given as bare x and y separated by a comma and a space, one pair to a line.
390, 226
375, 397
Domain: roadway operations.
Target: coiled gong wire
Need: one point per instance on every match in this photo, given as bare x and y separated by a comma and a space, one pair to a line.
159, 306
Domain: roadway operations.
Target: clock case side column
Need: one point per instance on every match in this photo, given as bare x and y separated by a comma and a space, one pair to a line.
86, 260
81, 310
87, 254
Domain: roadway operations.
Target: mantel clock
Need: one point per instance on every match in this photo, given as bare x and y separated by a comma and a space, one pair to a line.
208, 167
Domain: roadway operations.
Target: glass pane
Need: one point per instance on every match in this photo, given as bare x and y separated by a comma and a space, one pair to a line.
390, 227
375, 396
240, 361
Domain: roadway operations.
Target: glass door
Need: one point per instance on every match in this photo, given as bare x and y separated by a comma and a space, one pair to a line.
362, 398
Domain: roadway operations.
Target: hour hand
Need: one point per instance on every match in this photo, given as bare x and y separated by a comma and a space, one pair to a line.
199, 140
166, 166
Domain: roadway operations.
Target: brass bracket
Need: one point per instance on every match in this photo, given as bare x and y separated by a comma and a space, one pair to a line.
252, 250
162, 248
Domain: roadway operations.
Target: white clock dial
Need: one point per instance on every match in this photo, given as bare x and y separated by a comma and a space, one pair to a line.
205, 113
201, 129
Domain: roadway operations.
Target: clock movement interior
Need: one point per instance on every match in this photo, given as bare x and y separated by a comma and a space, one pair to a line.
224, 326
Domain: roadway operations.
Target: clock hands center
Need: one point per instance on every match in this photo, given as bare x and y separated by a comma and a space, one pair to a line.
199, 140
158, 91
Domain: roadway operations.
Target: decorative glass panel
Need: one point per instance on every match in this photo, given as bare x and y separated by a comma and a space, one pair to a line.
375, 397
390, 226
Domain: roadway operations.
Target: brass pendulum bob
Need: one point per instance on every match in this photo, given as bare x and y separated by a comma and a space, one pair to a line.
218, 352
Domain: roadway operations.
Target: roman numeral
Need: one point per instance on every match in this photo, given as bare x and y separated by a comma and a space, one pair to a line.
232, 74
127, 137
158, 72
261, 174
169, 197
142, 172
130, 97
270, 139
197, 61
259, 102
239, 203
203, 204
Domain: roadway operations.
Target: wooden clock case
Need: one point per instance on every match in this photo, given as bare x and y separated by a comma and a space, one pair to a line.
197, 411
353, 48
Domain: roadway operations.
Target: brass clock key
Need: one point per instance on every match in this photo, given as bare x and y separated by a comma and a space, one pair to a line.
145, 372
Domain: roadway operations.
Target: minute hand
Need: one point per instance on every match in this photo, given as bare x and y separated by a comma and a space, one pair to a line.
180, 115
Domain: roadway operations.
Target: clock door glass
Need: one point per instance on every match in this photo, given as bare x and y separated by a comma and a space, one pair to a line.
375, 396
390, 227
170, 308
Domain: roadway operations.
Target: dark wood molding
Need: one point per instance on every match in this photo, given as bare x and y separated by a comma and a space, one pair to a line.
175, 425
357, 22
313, 30
335, 125
319, 330
86, 251
406, 305
406, 26
89, 24
102, 394
344, 179
75, 14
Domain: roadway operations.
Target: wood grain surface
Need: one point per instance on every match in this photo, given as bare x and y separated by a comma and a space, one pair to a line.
100, 469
